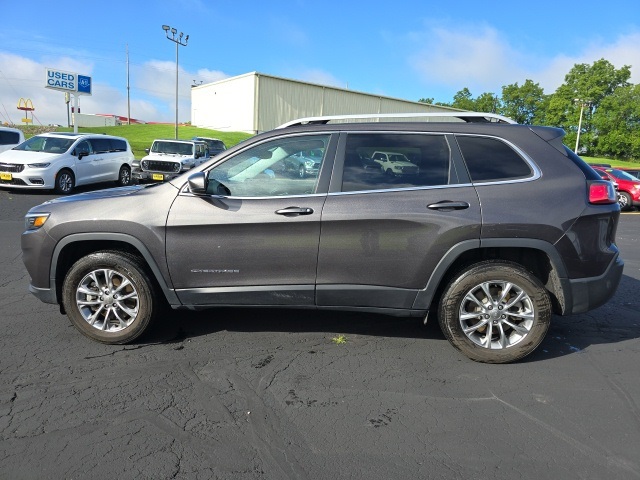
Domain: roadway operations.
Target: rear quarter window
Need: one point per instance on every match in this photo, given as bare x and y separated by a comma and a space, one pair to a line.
9, 138
489, 159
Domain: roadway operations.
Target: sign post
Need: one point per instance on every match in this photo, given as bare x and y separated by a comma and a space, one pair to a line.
71, 83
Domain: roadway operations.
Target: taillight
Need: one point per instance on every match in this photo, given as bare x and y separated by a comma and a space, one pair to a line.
602, 192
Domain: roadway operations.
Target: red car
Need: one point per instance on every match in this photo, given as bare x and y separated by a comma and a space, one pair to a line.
628, 186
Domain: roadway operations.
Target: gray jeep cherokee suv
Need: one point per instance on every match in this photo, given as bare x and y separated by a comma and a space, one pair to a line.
500, 226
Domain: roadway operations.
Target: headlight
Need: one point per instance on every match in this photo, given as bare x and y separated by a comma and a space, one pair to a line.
309, 164
33, 221
38, 165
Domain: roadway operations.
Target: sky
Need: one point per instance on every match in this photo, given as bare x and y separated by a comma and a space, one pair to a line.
401, 49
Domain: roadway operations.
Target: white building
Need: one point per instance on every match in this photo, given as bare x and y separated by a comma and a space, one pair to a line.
255, 102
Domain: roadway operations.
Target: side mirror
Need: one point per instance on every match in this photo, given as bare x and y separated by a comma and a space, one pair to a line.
198, 183
146, 150
81, 155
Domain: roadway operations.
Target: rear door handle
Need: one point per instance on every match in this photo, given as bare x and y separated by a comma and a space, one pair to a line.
447, 205
294, 211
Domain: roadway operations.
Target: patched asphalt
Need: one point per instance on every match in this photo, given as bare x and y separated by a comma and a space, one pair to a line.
275, 394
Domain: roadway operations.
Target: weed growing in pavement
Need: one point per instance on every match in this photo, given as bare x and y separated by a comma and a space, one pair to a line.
339, 339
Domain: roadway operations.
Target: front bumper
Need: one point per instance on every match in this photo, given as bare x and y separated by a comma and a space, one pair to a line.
27, 179
144, 176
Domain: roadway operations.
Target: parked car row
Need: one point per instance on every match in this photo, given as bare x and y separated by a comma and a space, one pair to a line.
62, 161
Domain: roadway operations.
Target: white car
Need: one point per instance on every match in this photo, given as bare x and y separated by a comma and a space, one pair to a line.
62, 161
167, 159
10, 137
394, 163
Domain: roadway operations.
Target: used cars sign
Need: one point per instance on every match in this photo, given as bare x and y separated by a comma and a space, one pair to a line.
68, 81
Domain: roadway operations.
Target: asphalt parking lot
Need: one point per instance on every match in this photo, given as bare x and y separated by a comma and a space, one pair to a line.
272, 394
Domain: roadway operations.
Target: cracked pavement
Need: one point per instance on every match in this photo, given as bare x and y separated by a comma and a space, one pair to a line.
267, 394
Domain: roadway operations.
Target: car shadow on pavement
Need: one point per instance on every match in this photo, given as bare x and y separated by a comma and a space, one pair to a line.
50, 193
178, 325
616, 321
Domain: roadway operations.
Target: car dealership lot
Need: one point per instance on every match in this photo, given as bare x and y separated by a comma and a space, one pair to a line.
257, 393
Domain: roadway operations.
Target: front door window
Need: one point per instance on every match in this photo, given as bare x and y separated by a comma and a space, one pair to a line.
282, 167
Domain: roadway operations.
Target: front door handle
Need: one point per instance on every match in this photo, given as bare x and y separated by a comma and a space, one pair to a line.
448, 205
294, 211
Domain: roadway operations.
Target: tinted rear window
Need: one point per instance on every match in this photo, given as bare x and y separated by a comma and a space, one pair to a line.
9, 138
489, 159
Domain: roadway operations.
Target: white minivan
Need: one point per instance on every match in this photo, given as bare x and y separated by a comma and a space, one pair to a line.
10, 137
62, 161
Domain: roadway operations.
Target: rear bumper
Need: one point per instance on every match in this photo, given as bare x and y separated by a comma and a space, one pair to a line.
590, 293
46, 295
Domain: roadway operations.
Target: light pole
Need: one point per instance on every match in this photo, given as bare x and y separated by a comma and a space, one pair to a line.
583, 103
178, 41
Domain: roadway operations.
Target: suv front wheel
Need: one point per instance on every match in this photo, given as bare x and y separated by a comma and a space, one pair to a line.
495, 312
109, 297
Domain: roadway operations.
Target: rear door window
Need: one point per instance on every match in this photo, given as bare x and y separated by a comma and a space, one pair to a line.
380, 161
100, 145
118, 145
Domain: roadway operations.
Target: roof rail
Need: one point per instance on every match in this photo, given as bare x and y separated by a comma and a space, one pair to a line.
469, 117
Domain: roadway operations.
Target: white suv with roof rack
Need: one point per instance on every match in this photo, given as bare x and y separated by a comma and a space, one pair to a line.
62, 161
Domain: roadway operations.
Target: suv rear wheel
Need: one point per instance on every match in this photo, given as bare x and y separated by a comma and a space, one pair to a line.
109, 297
495, 312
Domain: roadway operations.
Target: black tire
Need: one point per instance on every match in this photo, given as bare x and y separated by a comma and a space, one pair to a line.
516, 327
302, 172
124, 176
389, 172
65, 182
124, 303
625, 201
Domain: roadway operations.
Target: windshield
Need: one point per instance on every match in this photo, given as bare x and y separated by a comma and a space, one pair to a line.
398, 158
46, 144
173, 148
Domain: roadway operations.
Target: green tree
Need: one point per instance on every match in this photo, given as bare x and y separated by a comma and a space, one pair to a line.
617, 123
585, 86
522, 103
464, 100
488, 103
